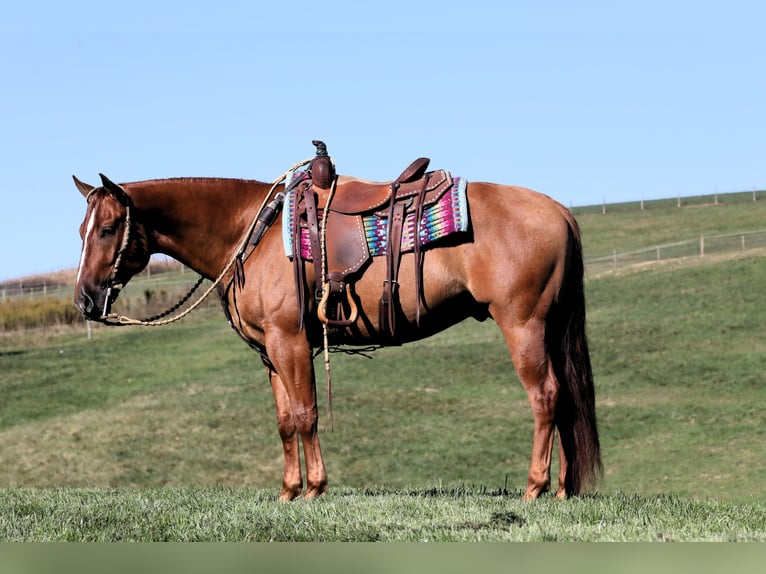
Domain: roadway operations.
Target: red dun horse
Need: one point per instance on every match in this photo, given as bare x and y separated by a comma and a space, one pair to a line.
521, 265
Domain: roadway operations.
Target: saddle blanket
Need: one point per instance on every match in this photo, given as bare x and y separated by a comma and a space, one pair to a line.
448, 215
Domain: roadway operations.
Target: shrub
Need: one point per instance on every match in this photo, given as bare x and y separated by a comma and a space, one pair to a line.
17, 314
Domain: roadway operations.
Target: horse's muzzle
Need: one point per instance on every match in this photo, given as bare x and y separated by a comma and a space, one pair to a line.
87, 305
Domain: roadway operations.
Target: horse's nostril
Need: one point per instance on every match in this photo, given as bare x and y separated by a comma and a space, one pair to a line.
85, 303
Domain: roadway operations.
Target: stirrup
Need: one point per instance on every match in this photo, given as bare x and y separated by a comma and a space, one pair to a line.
322, 308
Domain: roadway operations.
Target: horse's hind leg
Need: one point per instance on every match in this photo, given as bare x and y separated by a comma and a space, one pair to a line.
561, 492
526, 341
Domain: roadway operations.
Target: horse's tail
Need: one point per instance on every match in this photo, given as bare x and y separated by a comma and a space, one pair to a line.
568, 348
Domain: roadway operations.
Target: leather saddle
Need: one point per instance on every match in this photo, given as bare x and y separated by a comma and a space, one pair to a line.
333, 208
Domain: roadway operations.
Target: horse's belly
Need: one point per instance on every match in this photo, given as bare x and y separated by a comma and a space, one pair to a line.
444, 303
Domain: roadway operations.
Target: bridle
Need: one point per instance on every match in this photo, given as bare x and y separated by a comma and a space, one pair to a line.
113, 288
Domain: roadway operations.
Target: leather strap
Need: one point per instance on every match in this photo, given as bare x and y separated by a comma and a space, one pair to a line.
389, 301
314, 239
300, 282
416, 248
305, 192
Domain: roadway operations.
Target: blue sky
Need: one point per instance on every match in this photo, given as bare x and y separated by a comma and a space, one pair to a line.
584, 101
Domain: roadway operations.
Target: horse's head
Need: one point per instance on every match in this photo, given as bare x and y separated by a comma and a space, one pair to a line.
114, 248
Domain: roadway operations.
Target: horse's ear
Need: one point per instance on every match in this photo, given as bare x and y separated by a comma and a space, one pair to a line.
82, 187
113, 188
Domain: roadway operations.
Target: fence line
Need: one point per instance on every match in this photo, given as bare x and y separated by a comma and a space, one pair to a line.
147, 279
161, 268
701, 246
716, 198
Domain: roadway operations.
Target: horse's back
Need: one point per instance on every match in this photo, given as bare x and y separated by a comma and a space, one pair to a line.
516, 242
515, 212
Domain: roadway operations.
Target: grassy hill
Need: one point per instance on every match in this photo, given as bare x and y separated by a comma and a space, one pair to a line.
679, 355
626, 227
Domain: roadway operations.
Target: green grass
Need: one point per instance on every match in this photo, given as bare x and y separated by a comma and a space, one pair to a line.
411, 515
170, 433
680, 360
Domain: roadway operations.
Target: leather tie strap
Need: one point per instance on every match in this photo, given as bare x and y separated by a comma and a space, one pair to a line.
416, 248
315, 242
389, 299
300, 284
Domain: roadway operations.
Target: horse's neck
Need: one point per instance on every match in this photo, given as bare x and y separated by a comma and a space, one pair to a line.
200, 222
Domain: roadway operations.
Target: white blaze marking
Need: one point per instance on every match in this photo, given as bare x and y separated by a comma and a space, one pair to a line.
91, 225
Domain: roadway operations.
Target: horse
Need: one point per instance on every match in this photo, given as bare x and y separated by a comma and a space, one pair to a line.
522, 266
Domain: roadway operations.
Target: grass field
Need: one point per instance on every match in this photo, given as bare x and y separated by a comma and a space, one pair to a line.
170, 433
360, 515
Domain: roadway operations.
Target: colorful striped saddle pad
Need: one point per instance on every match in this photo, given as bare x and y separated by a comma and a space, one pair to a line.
446, 216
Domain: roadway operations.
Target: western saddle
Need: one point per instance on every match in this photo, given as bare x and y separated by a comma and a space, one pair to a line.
332, 208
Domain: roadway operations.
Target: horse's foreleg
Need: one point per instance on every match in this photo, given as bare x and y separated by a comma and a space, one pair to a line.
527, 347
292, 482
316, 475
298, 391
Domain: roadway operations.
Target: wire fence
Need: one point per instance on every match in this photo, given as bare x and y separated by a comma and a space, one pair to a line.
727, 198
699, 247
157, 276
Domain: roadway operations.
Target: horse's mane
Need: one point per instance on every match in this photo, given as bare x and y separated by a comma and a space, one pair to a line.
196, 180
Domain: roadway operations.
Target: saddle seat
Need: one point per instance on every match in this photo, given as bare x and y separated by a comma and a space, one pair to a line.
355, 196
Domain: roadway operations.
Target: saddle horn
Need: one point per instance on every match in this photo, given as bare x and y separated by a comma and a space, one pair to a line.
322, 169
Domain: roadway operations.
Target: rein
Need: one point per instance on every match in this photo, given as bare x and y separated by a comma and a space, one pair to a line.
120, 320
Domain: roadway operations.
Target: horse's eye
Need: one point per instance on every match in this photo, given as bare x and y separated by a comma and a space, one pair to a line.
106, 232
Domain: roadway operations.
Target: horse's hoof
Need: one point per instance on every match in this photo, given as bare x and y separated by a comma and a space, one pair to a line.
287, 494
534, 492
315, 492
